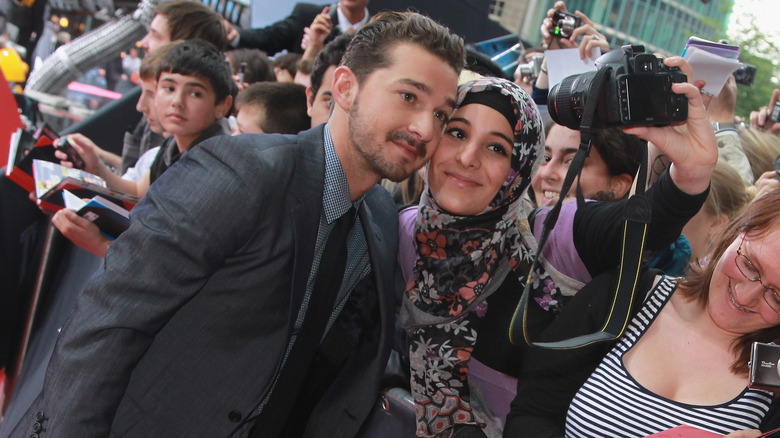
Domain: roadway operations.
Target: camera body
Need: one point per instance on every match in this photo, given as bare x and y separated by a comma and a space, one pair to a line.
774, 116
745, 75
637, 92
564, 23
764, 372
532, 68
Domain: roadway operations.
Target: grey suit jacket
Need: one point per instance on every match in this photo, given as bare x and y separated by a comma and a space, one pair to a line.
183, 331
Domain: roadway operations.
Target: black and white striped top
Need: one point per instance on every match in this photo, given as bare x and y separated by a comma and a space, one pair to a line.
612, 404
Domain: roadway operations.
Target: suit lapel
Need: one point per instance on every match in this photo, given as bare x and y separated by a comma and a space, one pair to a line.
309, 182
378, 255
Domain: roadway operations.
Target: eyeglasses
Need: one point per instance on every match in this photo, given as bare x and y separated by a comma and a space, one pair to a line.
749, 271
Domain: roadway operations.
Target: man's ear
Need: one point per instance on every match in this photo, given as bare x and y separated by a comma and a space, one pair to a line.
345, 87
222, 108
309, 100
621, 184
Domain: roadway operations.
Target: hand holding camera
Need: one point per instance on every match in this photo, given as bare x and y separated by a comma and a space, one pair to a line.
691, 146
561, 29
78, 151
767, 118
65, 145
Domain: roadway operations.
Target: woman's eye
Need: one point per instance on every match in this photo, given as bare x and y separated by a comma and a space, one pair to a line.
495, 147
546, 159
457, 133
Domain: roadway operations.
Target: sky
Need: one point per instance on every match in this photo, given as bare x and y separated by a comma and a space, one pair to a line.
764, 13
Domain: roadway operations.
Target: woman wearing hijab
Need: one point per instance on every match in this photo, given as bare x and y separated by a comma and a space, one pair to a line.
473, 248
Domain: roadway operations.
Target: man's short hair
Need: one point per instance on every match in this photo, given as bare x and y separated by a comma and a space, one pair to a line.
284, 104
189, 20
201, 59
151, 62
330, 55
369, 47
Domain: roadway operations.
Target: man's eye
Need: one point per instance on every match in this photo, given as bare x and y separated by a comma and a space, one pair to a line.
409, 97
441, 116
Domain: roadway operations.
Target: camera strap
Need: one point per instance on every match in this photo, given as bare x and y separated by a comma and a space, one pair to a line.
637, 216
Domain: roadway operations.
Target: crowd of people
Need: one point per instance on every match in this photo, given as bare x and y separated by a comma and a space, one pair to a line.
309, 218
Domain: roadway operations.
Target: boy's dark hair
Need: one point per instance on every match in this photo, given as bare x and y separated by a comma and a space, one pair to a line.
201, 59
287, 62
151, 62
189, 20
369, 47
284, 104
259, 67
331, 54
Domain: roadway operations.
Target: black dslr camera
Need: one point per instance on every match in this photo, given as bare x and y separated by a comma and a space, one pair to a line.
564, 23
764, 373
637, 92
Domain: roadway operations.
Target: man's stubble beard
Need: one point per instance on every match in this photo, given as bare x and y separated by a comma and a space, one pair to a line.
370, 151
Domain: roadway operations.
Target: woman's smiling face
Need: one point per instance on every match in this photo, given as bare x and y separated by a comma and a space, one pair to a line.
473, 160
737, 304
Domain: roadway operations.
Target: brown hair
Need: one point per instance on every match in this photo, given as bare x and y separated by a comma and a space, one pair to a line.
151, 62
757, 220
189, 20
761, 149
370, 45
728, 194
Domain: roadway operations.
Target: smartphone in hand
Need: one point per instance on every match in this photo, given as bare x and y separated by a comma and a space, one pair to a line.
64, 144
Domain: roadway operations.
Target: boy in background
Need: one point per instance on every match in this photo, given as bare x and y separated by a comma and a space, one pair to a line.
193, 93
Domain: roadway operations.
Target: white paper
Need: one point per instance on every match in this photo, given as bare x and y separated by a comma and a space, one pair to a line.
713, 69
566, 62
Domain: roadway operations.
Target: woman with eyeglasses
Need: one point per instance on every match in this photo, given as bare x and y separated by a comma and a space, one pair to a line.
684, 358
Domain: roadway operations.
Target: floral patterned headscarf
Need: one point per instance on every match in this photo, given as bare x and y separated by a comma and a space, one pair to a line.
461, 260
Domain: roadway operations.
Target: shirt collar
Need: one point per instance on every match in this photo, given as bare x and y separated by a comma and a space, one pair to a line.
345, 25
335, 196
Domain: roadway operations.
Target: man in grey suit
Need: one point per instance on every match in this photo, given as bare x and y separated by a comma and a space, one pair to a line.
191, 327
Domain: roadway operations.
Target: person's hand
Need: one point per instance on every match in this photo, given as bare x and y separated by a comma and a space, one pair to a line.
87, 150
766, 183
691, 146
590, 37
231, 31
721, 108
760, 119
240, 83
314, 35
752, 433
81, 232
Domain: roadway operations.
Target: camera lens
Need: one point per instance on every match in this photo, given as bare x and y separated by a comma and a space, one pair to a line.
566, 101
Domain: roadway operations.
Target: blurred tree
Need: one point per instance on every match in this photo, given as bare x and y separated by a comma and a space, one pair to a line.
757, 47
